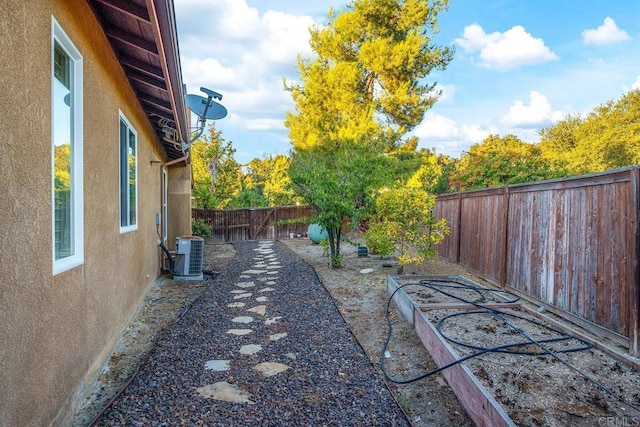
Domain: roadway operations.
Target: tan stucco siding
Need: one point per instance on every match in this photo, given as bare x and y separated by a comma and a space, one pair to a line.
56, 330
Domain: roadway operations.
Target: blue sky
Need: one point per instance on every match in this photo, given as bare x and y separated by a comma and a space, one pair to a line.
520, 65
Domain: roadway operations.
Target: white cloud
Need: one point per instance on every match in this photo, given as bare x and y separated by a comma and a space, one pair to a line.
234, 49
448, 137
636, 84
505, 51
606, 33
448, 92
538, 113
435, 126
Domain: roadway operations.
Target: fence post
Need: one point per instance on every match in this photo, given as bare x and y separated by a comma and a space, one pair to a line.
634, 300
458, 240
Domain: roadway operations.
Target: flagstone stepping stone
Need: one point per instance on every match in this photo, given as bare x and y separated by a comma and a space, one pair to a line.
245, 284
254, 272
218, 365
244, 276
271, 282
259, 309
225, 392
274, 262
272, 320
241, 296
262, 299
262, 279
242, 319
266, 290
250, 349
236, 304
276, 337
239, 332
367, 270
273, 267
272, 272
269, 369
237, 291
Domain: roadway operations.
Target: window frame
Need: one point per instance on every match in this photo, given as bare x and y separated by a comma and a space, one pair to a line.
128, 227
76, 257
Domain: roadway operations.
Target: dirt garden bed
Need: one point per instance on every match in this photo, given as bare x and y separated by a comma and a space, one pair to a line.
539, 375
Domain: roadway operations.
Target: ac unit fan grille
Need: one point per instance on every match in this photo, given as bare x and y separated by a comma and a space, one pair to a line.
196, 257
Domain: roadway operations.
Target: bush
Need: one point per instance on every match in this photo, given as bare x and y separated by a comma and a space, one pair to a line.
200, 228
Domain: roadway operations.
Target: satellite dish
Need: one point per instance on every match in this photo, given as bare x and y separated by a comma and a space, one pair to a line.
206, 108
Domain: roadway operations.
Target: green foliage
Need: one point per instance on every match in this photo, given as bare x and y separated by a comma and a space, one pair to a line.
404, 221
361, 92
214, 170
248, 198
608, 138
200, 228
500, 161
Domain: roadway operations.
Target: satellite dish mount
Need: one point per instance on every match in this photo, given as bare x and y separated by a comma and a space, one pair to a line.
205, 109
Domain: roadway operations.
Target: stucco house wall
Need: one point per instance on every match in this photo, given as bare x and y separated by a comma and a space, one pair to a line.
57, 330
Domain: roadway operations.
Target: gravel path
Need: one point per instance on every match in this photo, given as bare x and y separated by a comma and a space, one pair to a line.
264, 345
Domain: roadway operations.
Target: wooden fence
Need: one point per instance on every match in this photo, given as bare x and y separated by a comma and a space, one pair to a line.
571, 244
236, 225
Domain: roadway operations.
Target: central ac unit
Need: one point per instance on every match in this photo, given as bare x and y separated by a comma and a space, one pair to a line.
189, 258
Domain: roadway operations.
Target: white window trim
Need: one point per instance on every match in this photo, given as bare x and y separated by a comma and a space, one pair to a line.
133, 227
59, 36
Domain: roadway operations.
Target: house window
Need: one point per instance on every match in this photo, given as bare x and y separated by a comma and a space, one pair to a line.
128, 177
66, 151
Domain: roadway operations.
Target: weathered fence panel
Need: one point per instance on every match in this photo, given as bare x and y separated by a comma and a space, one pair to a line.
571, 244
482, 224
448, 207
235, 225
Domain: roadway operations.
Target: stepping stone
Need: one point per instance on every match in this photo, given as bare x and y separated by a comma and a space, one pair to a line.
244, 276
239, 332
242, 319
367, 270
274, 263
236, 304
272, 320
273, 267
272, 272
266, 290
259, 309
250, 349
271, 282
254, 272
240, 296
269, 369
262, 299
276, 337
225, 392
262, 279
218, 365
237, 291
245, 284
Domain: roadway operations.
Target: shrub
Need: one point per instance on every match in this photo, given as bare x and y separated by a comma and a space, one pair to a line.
200, 228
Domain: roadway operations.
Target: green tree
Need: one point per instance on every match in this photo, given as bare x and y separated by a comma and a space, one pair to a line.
361, 92
500, 161
216, 174
608, 138
404, 221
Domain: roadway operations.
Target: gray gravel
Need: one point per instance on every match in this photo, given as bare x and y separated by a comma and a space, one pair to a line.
330, 381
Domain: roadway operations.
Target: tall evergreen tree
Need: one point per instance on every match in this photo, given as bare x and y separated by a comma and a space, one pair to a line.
356, 98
